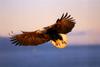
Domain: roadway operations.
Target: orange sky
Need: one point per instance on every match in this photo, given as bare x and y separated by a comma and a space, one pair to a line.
29, 15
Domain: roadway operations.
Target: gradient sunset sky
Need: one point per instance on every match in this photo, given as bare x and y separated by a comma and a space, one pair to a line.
30, 15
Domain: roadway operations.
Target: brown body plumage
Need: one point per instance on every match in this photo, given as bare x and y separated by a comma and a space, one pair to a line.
54, 33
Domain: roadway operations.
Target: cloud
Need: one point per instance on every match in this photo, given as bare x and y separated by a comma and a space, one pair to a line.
80, 33
85, 37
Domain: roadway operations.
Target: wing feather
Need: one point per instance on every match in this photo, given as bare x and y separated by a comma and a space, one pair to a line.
30, 38
64, 25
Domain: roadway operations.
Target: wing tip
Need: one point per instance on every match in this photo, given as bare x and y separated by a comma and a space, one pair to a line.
14, 41
67, 16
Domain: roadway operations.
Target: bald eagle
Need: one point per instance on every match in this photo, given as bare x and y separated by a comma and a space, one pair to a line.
56, 34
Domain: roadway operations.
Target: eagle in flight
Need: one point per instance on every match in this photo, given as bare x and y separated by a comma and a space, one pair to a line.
56, 34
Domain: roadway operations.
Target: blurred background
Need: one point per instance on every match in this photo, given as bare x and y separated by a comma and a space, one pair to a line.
30, 15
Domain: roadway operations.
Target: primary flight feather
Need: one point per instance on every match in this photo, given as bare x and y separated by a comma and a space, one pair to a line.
55, 33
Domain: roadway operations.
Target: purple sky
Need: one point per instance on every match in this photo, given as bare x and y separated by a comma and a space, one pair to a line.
29, 15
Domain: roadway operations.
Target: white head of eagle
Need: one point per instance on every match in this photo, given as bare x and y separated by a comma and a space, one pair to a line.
56, 33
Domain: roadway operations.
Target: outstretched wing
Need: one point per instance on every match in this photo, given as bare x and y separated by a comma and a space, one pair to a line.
64, 25
30, 38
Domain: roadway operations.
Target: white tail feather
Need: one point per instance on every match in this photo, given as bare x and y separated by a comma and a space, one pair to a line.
61, 43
